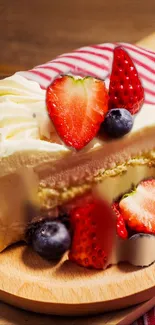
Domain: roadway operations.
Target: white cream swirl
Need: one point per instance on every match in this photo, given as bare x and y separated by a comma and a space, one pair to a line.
23, 116
23, 113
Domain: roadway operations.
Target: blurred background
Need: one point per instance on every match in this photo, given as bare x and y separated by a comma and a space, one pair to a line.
35, 31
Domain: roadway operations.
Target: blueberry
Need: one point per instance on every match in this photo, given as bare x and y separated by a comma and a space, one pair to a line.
141, 235
51, 239
117, 123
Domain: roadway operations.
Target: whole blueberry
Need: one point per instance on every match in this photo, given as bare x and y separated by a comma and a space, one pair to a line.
118, 122
51, 239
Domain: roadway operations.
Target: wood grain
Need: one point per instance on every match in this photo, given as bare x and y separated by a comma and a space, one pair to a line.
12, 316
33, 32
29, 282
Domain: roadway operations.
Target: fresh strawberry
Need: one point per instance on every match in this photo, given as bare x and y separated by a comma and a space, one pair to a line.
120, 223
125, 88
94, 228
77, 106
138, 209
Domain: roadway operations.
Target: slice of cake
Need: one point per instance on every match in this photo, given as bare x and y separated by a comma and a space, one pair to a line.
82, 131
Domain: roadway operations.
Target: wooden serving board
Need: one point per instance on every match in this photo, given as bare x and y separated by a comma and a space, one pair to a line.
29, 282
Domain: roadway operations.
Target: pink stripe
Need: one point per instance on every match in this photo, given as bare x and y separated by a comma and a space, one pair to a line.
149, 91
29, 78
136, 50
147, 51
105, 48
149, 102
145, 77
72, 66
46, 77
107, 58
48, 67
147, 67
93, 53
41, 74
76, 68
84, 60
69, 65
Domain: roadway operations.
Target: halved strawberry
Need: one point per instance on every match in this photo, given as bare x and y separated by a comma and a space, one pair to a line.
94, 230
125, 90
120, 223
77, 107
138, 209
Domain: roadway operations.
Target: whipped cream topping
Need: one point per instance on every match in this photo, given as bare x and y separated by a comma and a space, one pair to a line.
23, 113
23, 116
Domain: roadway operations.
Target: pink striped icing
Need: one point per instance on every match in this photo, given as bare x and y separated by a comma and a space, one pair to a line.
96, 60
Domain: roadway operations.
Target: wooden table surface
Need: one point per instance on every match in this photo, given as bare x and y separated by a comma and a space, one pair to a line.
33, 32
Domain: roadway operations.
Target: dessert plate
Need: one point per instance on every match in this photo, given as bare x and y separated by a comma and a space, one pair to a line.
29, 282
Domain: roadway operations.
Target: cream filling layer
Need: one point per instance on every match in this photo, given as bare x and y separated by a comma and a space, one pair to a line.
15, 192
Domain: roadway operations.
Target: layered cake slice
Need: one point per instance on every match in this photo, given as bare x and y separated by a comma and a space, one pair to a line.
94, 123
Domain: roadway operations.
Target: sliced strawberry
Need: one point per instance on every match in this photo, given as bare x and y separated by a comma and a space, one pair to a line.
94, 228
77, 106
138, 209
120, 223
125, 90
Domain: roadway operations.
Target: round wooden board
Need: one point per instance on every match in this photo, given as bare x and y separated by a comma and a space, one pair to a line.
29, 282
